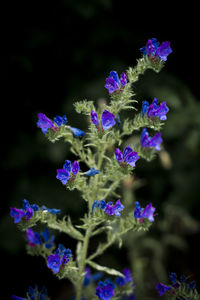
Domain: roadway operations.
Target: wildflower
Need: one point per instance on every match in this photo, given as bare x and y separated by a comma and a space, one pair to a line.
121, 281
147, 212
154, 109
173, 277
128, 157
150, 142
113, 82
26, 212
154, 49
13, 297
114, 209
59, 258
45, 123
109, 208
105, 290
107, 119
35, 238
91, 172
162, 289
182, 278
52, 211
88, 278
77, 132
64, 174
33, 293
60, 120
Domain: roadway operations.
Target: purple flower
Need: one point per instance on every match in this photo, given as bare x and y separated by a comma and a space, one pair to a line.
75, 167
94, 118
99, 204
147, 212
17, 214
150, 47
59, 258
63, 175
121, 281
192, 285
91, 172
150, 142
13, 297
105, 290
60, 120
33, 238
163, 51
113, 83
45, 123
162, 289
107, 119
155, 110
154, 49
77, 132
54, 262
26, 211
114, 209
129, 156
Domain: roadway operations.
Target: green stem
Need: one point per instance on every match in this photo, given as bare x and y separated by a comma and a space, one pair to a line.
82, 266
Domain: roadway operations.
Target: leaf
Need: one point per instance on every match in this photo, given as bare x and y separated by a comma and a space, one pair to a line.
105, 269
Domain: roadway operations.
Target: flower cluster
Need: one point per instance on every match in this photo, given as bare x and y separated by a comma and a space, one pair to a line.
147, 212
109, 208
176, 285
155, 110
105, 290
150, 142
68, 171
45, 123
107, 119
154, 49
43, 238
128, 157
26, 212
113, 83
33, 294
88, 278
59, 258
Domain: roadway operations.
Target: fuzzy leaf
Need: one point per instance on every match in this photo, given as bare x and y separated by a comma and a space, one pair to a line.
105, 269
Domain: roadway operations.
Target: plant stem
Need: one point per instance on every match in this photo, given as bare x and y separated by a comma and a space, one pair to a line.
82, 266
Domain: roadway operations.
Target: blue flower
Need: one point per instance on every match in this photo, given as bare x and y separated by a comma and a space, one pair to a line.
33, 293
45, 123
52, 211
105, 290
173, 277
60, 120
154, 49
33, 238
147, 212
26, 212
192, 285
128, 157
155, 110
13, 297
91, 172
114, 209
150, 142
64, 174
107, 119
121, 281
113, 82
59, 258
162, 289
77, 132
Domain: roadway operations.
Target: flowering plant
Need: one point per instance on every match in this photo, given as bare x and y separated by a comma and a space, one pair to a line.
109, 160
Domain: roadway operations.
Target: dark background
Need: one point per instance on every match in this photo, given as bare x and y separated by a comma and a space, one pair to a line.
59, 52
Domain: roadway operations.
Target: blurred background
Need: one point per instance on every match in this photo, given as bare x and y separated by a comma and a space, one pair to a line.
58, 52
